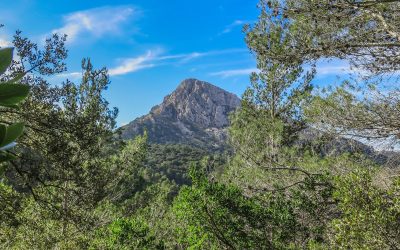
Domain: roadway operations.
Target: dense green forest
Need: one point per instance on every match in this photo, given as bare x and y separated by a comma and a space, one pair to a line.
70, 182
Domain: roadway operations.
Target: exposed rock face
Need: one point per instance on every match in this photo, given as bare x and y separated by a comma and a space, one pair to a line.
196, 113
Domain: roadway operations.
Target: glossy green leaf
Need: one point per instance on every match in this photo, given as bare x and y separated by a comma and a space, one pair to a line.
5, 59
12, 133
4, 156
12, 94
3, 131
16, 79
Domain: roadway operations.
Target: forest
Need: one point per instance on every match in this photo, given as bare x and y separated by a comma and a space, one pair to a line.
69, 181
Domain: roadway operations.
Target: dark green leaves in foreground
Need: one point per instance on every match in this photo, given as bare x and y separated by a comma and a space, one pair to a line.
11, 94
10, 134
5, 59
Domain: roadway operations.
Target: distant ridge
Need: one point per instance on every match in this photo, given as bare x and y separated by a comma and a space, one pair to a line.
196, 113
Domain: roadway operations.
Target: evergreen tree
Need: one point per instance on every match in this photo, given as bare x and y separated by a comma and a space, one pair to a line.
264, 129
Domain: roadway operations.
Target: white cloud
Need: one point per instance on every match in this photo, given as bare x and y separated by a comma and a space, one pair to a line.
336, 67
191, 56
71, 75
96, 22
231, 26
184, 58
333, 68
5, 43
195, 55
155, 58
234, 72
59, 78
134, 64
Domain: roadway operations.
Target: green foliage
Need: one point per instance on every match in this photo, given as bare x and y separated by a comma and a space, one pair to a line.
10, 204
219, 216
8, 134
61, 168
66, 147
174, 160
210, 222
11, 94
6, 56
365, 33
369, 215
38, 229
125, 172
272, 164
126, 234
271, 115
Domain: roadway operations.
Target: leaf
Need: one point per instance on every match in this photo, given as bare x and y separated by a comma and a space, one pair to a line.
3, 131
12, 94
16, 79
4, 156
5, 59
12, 133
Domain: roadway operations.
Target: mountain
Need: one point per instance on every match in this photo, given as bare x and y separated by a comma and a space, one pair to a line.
334, 145
196, 114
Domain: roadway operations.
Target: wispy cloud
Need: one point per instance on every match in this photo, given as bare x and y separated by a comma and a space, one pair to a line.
234, 72
134, 64
323, 69
183, 58
5, 43
333, 68
70, 75
232, 26
156, 57
195, 55
58, 78
337, 67
96, 22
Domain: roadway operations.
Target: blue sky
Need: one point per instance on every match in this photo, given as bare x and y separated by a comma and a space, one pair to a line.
149, 46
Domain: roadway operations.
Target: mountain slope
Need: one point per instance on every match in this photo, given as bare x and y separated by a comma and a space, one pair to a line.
196, 113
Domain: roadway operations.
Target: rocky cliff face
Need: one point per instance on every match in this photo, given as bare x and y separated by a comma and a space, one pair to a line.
196, 113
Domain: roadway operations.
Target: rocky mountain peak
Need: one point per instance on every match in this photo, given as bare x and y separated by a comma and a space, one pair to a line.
195, 113
193, 85
198, 102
